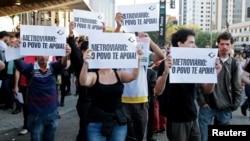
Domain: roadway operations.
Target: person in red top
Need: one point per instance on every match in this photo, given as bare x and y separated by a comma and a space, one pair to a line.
21, 86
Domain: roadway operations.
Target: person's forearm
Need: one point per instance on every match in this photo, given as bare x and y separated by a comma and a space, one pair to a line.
64, 60
160, 83
156, 49
2, 65
17, 76
136, 71
118, 28
208, 88
83, 74
245, 78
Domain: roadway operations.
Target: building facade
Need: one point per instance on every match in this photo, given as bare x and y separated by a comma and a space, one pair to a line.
107, 8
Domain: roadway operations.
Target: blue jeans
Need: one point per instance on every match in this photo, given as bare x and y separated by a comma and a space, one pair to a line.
94, 133
208, 116
43, 127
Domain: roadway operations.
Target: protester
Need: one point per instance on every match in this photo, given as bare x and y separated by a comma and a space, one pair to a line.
83, 101
42, 99
135, 94
65, 82
177, 100
218, 101
4, 38
106, 116
20, 85
9, 81
151, 78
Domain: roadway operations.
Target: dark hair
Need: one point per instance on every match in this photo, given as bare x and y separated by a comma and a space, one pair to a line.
17, 35
3, 34
225, 36
181, 36
84, 45
235, 54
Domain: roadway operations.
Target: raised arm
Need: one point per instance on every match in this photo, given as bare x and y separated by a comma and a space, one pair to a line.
163, 72
130, 76
86, 78
118, 20
65, 58
157, 52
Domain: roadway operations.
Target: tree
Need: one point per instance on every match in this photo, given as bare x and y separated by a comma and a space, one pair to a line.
204, 38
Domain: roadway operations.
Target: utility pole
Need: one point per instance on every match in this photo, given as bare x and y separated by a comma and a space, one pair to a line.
162, 23
211, 24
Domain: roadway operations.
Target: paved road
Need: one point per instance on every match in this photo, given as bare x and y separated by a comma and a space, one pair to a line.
67, 130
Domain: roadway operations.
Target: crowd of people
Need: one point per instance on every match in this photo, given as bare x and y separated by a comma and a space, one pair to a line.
123, 104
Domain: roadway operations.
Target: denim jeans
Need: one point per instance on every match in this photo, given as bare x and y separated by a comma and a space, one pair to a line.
43, 127
94, 132
208, 116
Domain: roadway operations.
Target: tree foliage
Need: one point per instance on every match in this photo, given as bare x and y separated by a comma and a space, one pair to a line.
204, 38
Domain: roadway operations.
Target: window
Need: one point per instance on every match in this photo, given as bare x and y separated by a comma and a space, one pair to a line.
248, 12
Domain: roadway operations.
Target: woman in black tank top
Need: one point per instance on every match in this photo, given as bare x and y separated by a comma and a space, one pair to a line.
106, 117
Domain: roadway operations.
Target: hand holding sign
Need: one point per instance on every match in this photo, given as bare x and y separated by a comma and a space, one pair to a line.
139, 52
168, 64
119, 18
87, 55
218, 66
68, 49
71, 28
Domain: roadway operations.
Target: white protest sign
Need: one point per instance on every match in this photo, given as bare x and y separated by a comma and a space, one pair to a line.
87, 22
19, 97
193, 65
12, 53
144, 42
141, 17
113, 50
42, 40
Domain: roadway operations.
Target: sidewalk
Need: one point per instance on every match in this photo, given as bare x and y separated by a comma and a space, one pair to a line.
9, 122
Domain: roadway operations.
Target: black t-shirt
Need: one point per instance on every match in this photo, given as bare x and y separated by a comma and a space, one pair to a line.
106, 97
178, 100
247, 69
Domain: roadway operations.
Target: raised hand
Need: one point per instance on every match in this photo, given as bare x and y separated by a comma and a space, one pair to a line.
87, 55
218, 66
139, 52
68, 49
119, 18
71, 28
168, 63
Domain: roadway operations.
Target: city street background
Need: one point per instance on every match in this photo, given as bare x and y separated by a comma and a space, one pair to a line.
10, 124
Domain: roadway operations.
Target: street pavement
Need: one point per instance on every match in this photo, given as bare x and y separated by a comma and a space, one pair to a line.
68, 126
